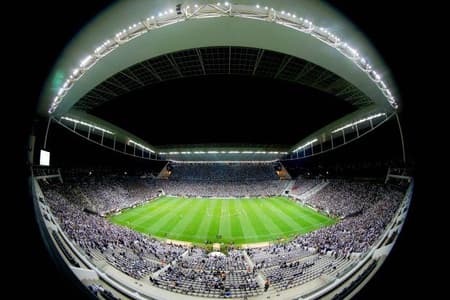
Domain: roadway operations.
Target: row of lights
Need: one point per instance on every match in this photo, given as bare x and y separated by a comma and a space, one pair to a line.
108, 46
99, 52
140, 145
104, 130
359, 121
86, 124
342, 128
172, 152
344, 48
305, 145
224, 152
221, 152
218, 4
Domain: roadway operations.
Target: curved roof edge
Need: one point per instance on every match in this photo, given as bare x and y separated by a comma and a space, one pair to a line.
214, 31
208, 152
352, 117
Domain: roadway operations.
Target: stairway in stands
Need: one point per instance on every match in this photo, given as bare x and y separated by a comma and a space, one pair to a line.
165, 173
283, 173
289, 186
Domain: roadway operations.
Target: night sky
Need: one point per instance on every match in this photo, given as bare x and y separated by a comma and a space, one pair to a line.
286, 121
223, 110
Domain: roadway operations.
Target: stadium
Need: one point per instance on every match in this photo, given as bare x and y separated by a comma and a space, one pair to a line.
220, 150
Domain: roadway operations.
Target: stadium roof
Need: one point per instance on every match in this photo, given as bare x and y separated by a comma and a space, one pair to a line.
300, 41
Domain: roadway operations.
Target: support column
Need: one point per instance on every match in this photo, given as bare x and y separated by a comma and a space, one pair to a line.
46, 132
401, 137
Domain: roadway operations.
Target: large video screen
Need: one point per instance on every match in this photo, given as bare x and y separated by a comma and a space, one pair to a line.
44, 158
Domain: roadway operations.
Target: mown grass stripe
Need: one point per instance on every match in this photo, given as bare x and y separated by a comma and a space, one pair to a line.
225, 221
189, 218
237, 220
213, 229
292, 214
247, 228
257, 224
157, 211
163, 226
279, 218
272, 229
237, 228
202, 231
130, 214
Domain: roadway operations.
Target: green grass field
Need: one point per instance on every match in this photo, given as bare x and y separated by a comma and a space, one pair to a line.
222, 220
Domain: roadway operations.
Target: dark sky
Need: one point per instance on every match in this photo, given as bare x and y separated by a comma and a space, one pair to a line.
223, 109
180, 118
383, 23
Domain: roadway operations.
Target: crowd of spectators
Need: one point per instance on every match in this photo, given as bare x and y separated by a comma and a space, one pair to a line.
277, 254
106, 193
288, 275
217, 188
199, 259
363, 208
133, 253
114, 192
213, 274
303, 185
354, 233
345, 198
224, 171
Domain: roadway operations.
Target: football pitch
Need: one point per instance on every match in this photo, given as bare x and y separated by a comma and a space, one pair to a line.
236, 221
